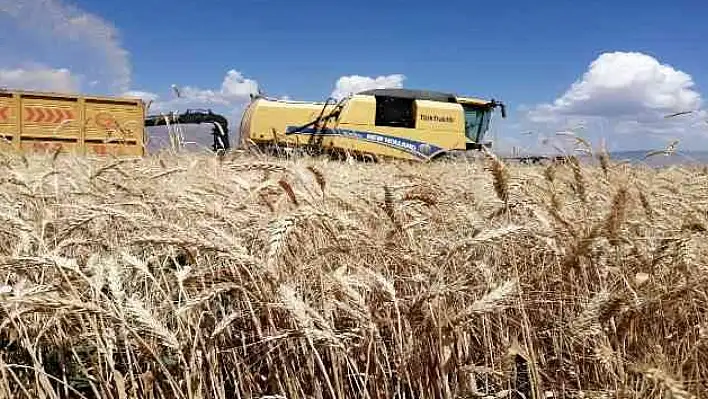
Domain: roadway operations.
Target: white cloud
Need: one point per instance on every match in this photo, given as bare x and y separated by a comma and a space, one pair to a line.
228, 100
625, 84
234, 92
66, 28
146, 96
347, 85
625, 97
237, 88
42, 79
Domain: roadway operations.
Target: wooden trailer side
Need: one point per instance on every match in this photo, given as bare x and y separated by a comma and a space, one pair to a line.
40, 121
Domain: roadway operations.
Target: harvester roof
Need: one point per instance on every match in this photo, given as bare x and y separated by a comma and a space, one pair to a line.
429, 95
412, 94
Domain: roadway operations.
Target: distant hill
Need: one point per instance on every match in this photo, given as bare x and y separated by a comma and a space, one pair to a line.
677, 158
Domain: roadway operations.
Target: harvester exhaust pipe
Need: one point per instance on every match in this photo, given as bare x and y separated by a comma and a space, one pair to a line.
495, 103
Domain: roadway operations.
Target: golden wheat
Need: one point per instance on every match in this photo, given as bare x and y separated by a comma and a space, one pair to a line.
209, 276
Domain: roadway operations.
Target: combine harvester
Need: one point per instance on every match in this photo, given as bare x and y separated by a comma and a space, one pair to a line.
381, 123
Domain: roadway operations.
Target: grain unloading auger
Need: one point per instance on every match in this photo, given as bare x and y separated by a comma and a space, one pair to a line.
380, 123
220, 131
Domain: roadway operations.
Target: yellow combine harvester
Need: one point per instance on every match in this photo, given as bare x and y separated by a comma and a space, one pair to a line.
380, 123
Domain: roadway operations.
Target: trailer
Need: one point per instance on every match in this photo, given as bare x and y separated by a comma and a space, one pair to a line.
32, 121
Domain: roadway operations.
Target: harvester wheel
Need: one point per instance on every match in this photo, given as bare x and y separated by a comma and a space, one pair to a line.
369, 158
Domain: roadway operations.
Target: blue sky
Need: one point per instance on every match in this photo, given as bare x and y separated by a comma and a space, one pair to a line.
649, 57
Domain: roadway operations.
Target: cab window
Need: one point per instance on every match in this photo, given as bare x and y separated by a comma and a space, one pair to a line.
395, 112
476, 122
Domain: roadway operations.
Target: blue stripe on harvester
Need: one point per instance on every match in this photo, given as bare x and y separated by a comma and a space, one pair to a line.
417, 148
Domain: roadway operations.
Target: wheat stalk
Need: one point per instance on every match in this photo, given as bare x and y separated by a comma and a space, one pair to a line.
501, 176
319, 177
168, 276
494, 301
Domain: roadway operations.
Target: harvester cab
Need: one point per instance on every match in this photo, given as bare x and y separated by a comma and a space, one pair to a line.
477, 115
380, 123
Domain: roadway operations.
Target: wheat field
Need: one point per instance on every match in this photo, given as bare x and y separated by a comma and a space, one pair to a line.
195, 276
